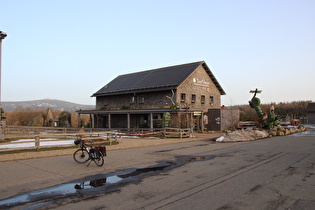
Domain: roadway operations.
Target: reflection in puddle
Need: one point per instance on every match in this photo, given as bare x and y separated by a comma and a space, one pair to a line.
103, 183
98, 182
196, 158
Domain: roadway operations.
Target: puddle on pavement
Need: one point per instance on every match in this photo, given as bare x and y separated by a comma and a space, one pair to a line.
98, 184
168, 150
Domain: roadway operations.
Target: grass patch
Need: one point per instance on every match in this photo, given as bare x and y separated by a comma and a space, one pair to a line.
115, 142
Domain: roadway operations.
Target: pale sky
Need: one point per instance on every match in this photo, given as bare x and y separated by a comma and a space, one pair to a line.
69, 49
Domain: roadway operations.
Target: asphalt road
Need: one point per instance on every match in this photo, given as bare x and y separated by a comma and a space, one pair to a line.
275, 173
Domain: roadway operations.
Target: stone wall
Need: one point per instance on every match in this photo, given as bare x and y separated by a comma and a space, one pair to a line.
283, 131
200, 84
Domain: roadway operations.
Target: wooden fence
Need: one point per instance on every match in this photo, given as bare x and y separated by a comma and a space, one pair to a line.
177, 133
10, 129
38, 135
38, 139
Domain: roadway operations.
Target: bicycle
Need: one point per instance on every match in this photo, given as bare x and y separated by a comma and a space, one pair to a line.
87, 152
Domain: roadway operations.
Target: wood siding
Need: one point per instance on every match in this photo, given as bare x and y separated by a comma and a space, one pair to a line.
150, 100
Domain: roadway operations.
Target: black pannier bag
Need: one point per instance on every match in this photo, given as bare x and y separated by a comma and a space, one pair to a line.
102, 150
77, 141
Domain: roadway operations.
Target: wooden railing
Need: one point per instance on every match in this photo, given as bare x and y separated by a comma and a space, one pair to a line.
177, 133
10, 130
37, 140
38, 135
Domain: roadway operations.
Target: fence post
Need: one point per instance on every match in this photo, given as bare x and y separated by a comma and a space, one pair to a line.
37, 142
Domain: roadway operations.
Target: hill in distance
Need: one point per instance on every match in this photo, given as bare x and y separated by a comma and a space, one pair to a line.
44, 104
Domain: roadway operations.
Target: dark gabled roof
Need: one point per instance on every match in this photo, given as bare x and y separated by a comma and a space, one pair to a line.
166, 78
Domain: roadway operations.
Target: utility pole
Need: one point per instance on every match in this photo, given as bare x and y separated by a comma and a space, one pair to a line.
2, 36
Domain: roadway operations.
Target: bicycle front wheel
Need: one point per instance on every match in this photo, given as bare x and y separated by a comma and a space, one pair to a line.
81, 156
99, 161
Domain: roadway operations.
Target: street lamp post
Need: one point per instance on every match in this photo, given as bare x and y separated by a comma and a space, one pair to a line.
2, 36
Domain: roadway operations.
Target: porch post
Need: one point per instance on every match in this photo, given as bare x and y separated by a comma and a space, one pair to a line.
128, 121
109, 121
79, 120
151, 121
202, 125
191, 123
92, 120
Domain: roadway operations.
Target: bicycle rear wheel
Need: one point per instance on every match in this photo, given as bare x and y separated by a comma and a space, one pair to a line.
81, 156
99, 161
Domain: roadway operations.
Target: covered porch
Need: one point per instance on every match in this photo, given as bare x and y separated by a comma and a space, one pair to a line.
144, 119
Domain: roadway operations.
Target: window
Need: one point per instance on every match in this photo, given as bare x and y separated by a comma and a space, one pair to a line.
183, 97
132, 99
141, 99
193, 98
203, 98
211, 100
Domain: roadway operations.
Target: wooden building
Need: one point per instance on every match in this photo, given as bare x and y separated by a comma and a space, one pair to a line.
142, 99
222, 119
